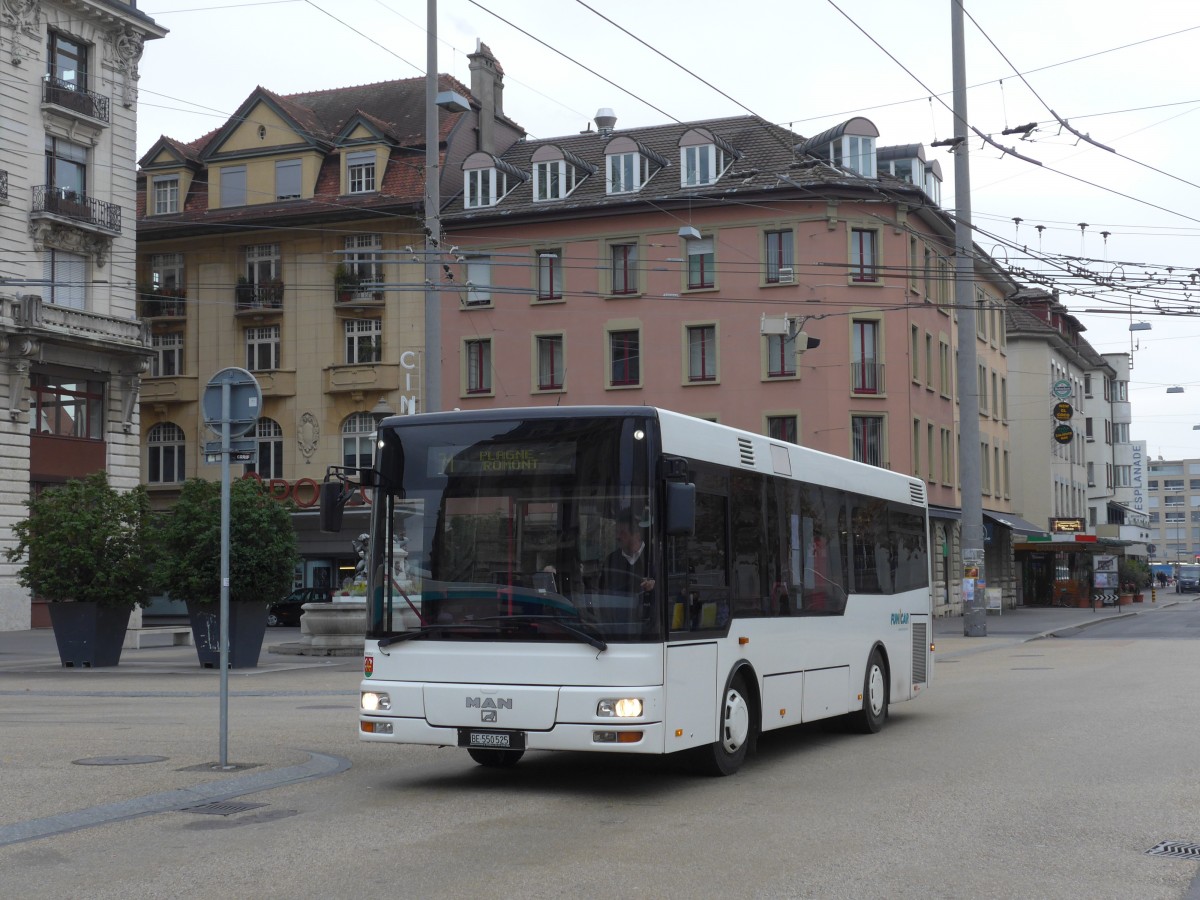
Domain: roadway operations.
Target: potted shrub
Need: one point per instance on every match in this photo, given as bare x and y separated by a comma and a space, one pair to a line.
345, 282
244, 293
1135, 575
88, 549
262, 559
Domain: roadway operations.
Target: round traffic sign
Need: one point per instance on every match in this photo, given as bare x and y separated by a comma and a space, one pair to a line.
245, 401
1063, 411
1063, 433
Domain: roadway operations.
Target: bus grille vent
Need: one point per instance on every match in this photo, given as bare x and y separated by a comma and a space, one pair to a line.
917, 492
747, 450
920, 636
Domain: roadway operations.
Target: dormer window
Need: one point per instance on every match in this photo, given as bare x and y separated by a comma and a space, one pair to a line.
556, 173
360, 173
486, 180
703, 158
850, 145
628, 165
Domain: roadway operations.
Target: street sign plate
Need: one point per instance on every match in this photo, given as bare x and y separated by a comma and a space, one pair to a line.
245, 401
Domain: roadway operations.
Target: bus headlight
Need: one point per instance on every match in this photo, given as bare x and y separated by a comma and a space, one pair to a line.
373, 701
623, 708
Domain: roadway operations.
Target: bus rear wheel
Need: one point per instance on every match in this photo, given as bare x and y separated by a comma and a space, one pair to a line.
735, 732
873, 714
495, 759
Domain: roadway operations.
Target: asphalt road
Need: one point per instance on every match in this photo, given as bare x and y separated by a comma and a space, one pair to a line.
1030, 770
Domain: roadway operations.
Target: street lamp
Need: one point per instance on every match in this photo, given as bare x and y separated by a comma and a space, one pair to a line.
381, 411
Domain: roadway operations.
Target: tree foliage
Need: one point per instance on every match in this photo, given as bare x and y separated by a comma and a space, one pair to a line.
85, 541
262, 544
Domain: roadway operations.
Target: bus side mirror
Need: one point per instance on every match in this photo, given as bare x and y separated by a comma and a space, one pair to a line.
332, 502
681, 509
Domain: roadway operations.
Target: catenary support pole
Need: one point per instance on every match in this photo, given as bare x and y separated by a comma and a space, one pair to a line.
433, 225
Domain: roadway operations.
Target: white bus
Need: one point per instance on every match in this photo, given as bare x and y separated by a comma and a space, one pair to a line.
630, 580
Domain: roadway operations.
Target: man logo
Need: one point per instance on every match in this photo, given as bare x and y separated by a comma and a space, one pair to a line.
489, 703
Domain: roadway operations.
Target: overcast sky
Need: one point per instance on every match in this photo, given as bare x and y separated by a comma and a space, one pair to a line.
1119, 72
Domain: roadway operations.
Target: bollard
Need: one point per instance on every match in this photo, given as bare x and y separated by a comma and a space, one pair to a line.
1153, 595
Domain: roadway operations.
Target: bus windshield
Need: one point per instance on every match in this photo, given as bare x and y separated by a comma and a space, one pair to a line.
515, 530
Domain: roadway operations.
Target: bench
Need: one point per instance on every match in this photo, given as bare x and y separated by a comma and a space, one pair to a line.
181, 635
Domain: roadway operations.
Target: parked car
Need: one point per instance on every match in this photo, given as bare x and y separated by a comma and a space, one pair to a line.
289, 610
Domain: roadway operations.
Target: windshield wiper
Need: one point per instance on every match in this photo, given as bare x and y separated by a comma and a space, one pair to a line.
423, 630
569, 627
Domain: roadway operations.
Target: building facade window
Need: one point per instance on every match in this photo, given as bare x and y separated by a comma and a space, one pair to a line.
702, 353
287, 179
166, 194
701, 165
479, 281
268, 438
701, 264
551, 366
262, 263
66, 407
479, 366
360, 173
865, 369
781, 356
233, 186
783, 428
364, 341
364, 259
779, 255
166, 271
866, 439
484, 187
554, 179
549, 275
165, 454
623, 269
624, 173
168, 354
262, 348
66, 62
66, 276
624, 358
863, 255
66, 171
358, 441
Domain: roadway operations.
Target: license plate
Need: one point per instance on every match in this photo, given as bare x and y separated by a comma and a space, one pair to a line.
497, 740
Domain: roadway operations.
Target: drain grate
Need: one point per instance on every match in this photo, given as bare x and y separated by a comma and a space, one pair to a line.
1178, 849
117, 760
222, 808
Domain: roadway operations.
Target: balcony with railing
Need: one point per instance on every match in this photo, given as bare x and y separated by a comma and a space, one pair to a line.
69, 96
866, 378
77, 207
256, 298
161, 303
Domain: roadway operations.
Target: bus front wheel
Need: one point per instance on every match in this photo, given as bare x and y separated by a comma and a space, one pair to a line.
735, 731
495, 759
873, 714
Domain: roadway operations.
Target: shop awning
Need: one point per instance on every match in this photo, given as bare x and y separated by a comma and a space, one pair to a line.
1013, 521
945, 512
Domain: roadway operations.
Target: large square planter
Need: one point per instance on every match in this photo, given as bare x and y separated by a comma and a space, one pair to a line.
88, 635
247, 627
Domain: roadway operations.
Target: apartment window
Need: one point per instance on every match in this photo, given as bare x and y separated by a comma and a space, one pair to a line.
995, 396
624, 268
67, 62
985, 469
165, 449
364, 259
360, 173
168, 354
866, 439
66, 276
66, 171
364, 341
549, 275
852, 151
262, 348
701, 165
702, 353
1087, 384
358, 441
554, 179
625, 172
66, 407
1087, 428
233, 186
701, 266
1120, 432
479, 280
269, 439
947, 441
1004, 399
929, 360
781, 356
551, 365
865, 368
1091, 474
479, 366
914, 357
782, 428
166, 194
916, 448
166, 271
981, 389
929, 452
624, 358
778, 251
863, 250
944, 369
484, 187
1124, 476
287, 179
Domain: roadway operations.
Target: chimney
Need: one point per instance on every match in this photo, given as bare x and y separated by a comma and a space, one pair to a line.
487, 84
605, 120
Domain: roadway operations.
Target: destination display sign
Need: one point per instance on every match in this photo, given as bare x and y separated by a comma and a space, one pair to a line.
537, 458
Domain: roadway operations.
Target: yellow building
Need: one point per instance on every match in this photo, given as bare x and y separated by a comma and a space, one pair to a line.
290, 242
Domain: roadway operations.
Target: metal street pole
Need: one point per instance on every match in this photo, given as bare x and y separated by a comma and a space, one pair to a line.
433, 224
226, 393
974, 579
